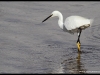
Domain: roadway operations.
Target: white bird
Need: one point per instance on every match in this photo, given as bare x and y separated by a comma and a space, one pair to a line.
72, 24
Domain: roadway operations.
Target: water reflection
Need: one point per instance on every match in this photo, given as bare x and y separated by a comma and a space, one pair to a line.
74, 65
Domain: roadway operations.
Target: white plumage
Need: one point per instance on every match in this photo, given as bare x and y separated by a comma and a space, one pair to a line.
72, 24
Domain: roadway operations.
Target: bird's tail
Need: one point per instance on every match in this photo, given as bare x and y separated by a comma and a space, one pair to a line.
91, 22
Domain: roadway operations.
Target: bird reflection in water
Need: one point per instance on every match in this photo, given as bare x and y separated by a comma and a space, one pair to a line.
74, 65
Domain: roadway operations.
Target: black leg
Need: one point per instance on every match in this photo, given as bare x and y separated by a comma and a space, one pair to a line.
80, 30
78, 40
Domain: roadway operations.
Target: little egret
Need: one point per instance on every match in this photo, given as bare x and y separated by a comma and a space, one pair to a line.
72, 24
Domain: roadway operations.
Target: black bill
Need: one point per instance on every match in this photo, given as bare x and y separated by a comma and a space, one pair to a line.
47, 18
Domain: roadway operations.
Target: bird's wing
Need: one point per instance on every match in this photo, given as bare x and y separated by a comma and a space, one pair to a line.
74, 22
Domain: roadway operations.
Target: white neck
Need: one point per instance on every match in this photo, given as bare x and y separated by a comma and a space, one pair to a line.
60, 21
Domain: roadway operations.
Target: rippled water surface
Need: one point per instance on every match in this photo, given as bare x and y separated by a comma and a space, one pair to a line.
29, 46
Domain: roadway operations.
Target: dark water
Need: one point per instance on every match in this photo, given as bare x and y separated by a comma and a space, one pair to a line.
29, 46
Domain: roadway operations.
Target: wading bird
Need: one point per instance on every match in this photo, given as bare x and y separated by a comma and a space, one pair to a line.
72, 24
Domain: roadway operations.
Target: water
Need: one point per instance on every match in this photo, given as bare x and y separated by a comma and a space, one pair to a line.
29, 46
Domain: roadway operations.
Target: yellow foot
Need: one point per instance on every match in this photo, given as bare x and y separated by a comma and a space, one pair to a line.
78, 46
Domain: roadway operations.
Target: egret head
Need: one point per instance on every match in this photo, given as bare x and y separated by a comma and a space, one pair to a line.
53, 14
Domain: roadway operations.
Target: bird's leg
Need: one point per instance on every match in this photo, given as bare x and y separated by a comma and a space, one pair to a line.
78, 40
